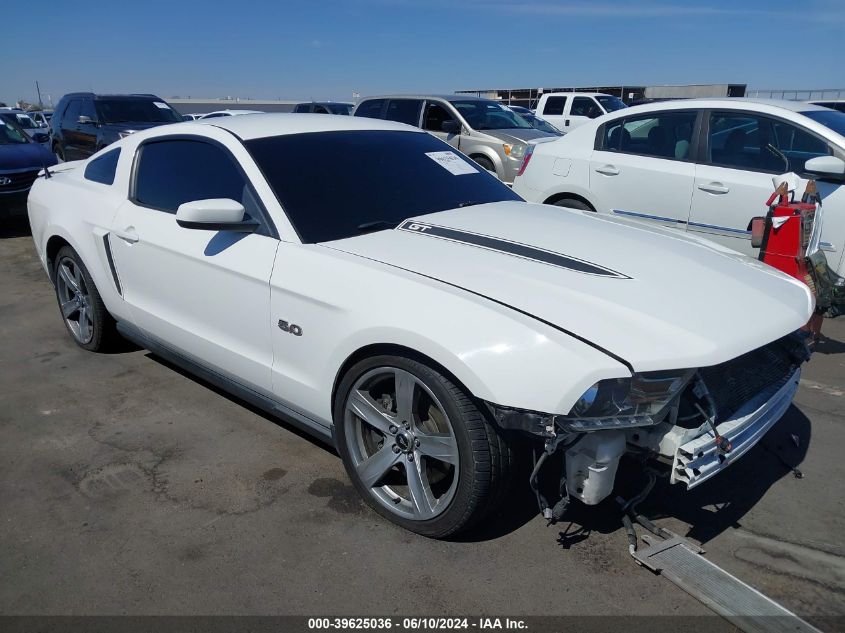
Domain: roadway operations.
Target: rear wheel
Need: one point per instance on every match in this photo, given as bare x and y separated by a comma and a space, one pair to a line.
83, 311
417, 448
572, 203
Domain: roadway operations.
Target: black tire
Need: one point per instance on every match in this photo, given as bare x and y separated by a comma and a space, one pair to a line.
103, 331
572, 203
485, 163
485, 456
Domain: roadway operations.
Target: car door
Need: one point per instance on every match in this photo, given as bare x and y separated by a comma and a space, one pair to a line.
554, 110
204, 293
86, 132
641, 167
436, 117
581, 110
742, 152
69, 124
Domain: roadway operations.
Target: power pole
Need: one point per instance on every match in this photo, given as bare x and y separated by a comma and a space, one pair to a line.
38, 90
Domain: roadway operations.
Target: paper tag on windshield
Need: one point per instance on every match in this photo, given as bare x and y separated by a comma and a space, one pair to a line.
452, 163
161, 105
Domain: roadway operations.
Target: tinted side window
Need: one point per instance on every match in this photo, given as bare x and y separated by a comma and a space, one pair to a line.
102, 169
404, 111
301, 107
170, 173
86, 108
72, 112
585, 106
318, 109
554, 105
664, 135
371, 109
747, 141
435, 116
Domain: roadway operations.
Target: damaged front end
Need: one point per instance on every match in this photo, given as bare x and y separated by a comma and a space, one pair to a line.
697, 420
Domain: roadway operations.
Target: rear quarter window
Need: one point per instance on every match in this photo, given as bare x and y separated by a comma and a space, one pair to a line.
103, 168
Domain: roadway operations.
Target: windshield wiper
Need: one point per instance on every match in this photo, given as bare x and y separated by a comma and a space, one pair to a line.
376, 225
468, 203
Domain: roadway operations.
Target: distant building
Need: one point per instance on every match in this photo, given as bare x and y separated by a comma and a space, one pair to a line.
528, 97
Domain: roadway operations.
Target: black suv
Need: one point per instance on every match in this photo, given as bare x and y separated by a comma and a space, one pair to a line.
83, 123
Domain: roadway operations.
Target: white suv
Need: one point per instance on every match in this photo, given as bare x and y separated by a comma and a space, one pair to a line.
703, 165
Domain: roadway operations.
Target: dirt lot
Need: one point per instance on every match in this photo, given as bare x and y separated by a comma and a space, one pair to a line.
128, 487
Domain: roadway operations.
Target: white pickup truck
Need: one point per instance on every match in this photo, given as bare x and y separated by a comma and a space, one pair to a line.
568, 110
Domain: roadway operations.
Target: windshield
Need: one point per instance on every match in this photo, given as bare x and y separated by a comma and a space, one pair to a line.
11, 134
25, 122
829, 118
385, 176
488, 115
135, 111
541, 124
610, 104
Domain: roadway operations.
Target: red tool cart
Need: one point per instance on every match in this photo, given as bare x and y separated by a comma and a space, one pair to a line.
788, 239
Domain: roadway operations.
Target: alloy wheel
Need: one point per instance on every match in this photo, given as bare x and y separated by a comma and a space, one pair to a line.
402, 443
75, 300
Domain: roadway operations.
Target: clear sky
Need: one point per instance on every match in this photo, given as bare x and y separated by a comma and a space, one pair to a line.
324, 49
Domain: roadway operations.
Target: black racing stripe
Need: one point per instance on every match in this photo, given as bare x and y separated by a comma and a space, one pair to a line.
516, 249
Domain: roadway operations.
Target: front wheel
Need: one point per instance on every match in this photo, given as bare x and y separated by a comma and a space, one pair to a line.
485, 163
417, 448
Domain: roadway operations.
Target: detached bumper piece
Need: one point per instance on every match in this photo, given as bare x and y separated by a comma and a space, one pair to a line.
701, 458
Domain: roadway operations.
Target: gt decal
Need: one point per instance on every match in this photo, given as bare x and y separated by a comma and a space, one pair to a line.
415, 226
515, 249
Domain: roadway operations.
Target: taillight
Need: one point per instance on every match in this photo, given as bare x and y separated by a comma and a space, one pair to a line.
528, 153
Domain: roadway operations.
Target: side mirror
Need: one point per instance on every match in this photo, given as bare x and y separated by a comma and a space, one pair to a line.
215, 214
758, 228
829, 166
450, 127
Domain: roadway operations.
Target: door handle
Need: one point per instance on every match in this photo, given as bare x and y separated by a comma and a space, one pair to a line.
128, 235
608, 170
714, 187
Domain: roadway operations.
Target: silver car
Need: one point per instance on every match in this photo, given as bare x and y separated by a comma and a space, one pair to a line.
486, 131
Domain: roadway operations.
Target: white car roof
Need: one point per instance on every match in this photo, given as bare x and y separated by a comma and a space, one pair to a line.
263, 125
741, 103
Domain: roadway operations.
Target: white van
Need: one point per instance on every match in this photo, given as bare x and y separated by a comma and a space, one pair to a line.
568, 110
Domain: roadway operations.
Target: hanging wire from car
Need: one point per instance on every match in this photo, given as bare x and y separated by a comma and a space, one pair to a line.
555, 513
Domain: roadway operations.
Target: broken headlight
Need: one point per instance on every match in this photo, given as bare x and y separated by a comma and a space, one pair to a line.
640, 400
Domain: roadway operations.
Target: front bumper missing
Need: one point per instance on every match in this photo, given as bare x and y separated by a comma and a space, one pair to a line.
700, 459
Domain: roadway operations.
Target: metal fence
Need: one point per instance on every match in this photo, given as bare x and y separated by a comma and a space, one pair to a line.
819, 94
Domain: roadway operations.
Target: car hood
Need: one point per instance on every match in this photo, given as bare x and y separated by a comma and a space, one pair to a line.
25, 155
522, 135
655, 299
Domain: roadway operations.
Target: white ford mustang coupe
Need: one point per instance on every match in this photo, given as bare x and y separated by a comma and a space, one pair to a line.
366, 282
